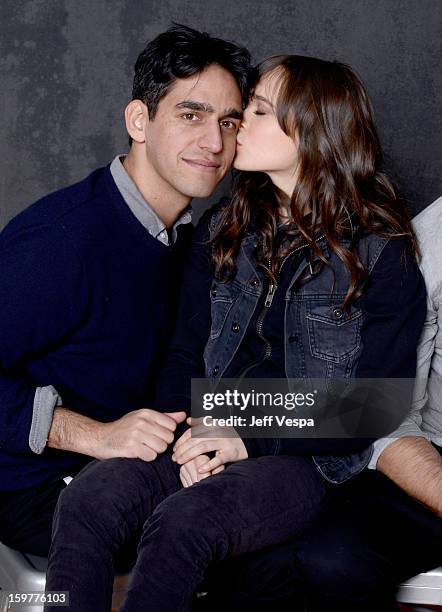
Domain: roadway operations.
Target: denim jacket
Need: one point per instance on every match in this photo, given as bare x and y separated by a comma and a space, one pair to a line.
322, 340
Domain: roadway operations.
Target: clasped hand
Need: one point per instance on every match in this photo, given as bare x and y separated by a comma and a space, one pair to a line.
189, 451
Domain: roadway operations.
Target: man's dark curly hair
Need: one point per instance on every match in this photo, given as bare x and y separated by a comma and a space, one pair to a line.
181, 52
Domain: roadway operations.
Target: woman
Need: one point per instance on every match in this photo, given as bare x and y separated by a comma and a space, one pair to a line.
308, 272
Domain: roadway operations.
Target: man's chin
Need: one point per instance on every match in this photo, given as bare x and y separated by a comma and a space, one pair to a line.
203, 191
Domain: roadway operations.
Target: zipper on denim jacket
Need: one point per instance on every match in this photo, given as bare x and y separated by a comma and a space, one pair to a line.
267, 305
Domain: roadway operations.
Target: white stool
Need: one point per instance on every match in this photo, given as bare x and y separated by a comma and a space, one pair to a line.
424, 589
22, 573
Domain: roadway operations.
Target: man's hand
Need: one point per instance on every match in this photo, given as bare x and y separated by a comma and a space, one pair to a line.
141, 433
227, 450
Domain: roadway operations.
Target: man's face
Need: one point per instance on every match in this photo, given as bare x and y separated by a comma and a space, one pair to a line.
190, 144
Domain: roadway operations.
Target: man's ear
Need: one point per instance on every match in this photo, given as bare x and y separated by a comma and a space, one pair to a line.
137, 117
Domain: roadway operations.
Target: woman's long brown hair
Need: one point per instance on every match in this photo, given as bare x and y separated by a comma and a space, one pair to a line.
340, 181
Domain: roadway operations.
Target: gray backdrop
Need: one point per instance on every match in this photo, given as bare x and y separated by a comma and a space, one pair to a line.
66, 73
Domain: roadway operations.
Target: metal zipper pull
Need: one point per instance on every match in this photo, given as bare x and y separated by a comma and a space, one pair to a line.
270, 295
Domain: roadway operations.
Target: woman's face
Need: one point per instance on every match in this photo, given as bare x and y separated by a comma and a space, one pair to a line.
262, 146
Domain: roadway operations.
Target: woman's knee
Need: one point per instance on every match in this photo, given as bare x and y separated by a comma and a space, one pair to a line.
190, 521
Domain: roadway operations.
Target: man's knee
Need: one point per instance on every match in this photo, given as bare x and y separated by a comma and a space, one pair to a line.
268, 572
342, 570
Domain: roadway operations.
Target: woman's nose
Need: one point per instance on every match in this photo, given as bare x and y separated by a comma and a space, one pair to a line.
245, 115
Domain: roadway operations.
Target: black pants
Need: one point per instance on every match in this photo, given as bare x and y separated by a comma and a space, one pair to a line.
26, 517
181, 531
373, 537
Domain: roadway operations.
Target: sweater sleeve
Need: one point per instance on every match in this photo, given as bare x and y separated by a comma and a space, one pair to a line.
394, 308
43, 297
184, 359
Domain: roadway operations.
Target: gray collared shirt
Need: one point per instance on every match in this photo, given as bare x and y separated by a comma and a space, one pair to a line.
140, 208
46, 398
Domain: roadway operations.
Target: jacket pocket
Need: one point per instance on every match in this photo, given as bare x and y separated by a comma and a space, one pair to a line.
334, 334
221, 301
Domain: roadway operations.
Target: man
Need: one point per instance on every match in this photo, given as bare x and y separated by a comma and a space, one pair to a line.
88, 277
385, 526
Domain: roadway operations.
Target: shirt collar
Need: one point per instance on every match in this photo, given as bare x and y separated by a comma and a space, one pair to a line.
141, 209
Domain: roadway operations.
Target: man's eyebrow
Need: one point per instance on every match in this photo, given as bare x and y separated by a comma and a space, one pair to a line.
205, 107
234, 113
194, 105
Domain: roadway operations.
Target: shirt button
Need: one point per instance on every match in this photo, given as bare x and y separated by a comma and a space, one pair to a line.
254, 282
338, 312
215, 370
213, 292
235, 327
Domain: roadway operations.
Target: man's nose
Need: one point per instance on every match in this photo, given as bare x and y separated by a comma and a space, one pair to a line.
212, 139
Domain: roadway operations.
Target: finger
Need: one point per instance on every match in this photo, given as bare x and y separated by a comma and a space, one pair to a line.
147, 427
154, 442
183, 477
141, 451
185, 436
190, 453
184, 446
196, 420
201, 460
192, 471
178, 417
202, 476
218, 469
195, 448
198, 461
212, 464
193, 468
160, 418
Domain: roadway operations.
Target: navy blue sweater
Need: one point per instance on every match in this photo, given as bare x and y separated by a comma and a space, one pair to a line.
86, 299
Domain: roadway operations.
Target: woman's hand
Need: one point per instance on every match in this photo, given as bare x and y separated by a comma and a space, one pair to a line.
189, 471
227, 450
